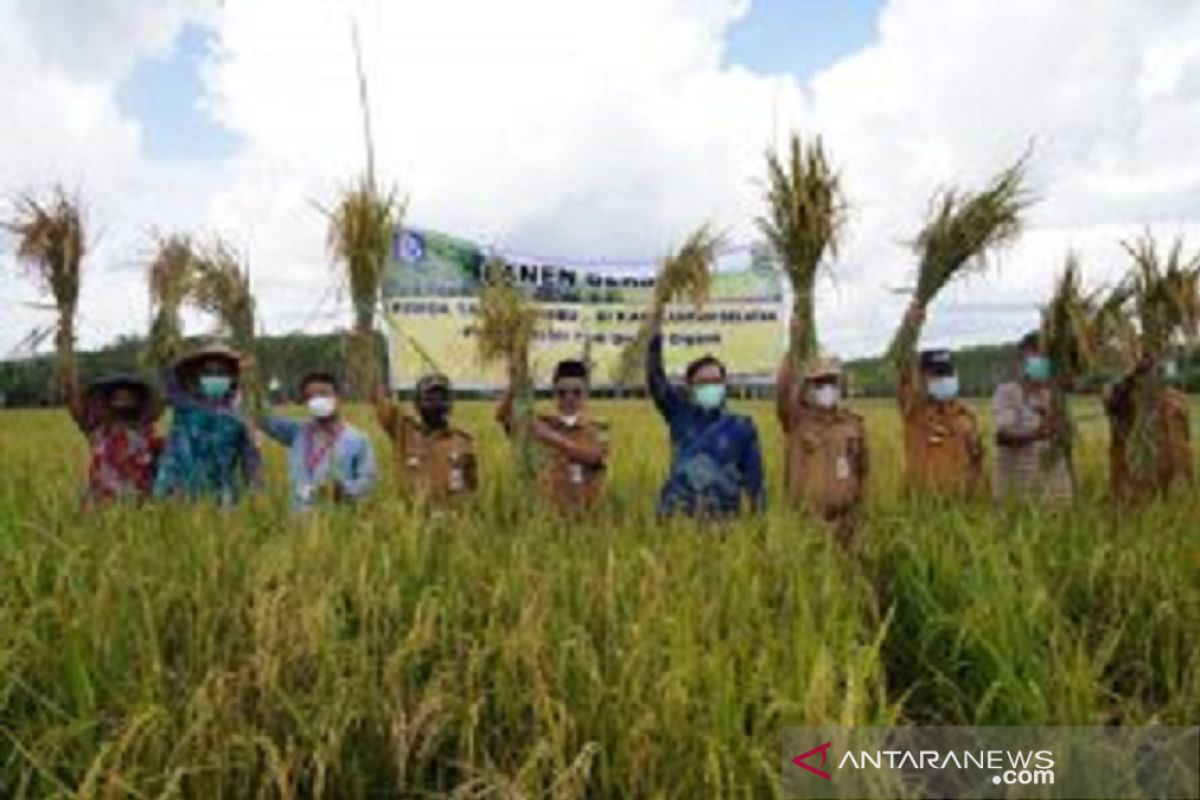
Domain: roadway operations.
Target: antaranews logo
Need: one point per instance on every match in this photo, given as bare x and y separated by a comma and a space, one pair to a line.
801, 760
1096, 763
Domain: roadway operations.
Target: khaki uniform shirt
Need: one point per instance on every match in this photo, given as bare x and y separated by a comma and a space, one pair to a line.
942, 447
1025, 472
1173, 452
436, 465
826, 462
569, 486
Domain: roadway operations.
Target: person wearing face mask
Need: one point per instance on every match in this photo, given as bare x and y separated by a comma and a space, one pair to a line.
573, 448
1027, 466
826, 461
1172, 433
328, 459
942, 446
435, 462
211, 452
117, 415
715, 454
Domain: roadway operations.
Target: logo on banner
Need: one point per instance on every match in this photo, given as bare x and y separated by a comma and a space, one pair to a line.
410, 248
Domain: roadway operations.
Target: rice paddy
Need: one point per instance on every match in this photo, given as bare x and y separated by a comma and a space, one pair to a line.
179, 651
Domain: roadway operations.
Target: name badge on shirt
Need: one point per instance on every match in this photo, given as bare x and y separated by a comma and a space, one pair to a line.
576, 473
842, 467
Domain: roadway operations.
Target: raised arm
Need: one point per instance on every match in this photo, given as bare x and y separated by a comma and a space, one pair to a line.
787, 389
909, 388
81, 413
667, 398
387, 411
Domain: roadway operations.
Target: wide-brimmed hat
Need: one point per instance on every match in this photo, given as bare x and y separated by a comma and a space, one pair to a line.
99, 391
211, 350
822, 367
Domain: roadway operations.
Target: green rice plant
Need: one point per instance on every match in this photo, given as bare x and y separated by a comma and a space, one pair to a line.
172, 277
805, 222
176, 650
684, 275
51, 244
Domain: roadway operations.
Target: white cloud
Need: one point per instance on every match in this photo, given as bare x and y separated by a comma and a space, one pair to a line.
611, 129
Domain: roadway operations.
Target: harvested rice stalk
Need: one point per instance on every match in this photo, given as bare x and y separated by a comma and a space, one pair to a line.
686, 274
51, 244
805, 220
172, 275
359, 238
507, 323
1164, 291
222, 288
962, 230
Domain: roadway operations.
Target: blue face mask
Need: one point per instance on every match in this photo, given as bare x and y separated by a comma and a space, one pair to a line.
709, 396
214, 387
944, 388
1037, 368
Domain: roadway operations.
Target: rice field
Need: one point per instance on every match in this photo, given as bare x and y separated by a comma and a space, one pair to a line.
176, 651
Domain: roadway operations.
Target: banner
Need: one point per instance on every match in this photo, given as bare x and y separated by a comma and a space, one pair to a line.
432, 285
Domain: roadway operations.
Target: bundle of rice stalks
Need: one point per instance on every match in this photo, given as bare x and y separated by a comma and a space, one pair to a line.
359, 238
172, 273
222, 289
684, 275
51, 244
1078, 330
806, 216
507, 323
962, 230
1164, 292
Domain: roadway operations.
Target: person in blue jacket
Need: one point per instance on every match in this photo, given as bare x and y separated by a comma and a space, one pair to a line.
716, 460
329, 460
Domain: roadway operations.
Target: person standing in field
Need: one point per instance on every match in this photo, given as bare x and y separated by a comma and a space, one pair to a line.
329, 460
211, 450
574, 446
943, 450
715, 454
1028, 466
826, 460
435, 462
117, 415
1171, 435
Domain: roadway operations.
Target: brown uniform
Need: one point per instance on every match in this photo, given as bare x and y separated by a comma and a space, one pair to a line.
826, 461
436, 465
569, 486
1172, 440
943, 450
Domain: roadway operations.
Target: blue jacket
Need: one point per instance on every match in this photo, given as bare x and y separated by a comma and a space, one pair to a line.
715, 455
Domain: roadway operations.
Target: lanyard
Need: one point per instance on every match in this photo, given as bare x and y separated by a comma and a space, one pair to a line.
314, 455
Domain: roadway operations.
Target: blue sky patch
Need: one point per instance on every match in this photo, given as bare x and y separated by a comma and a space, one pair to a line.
801, 37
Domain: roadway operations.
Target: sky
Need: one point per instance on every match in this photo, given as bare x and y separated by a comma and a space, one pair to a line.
597, 131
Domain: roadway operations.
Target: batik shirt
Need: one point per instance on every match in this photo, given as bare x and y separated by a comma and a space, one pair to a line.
715, 455
122, 464
210, 451
316, 459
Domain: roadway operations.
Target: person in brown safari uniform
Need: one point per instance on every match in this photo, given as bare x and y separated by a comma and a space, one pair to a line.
573, 445
434, 461
1172, 437
943, 451
826, 458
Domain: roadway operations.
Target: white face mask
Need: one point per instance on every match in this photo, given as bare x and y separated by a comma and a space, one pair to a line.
322, 407
570, 420
944, 388
825, 396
